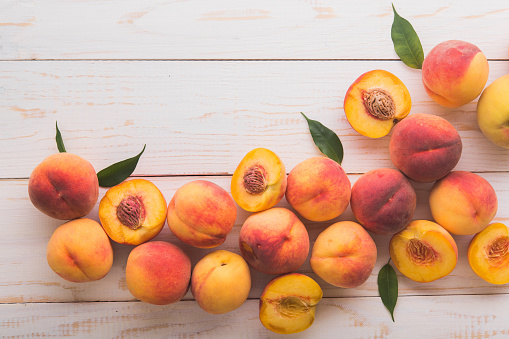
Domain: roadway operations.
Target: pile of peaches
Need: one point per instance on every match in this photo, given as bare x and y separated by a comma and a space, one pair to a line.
273, 240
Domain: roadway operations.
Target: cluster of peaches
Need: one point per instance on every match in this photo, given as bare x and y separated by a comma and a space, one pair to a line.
273, 240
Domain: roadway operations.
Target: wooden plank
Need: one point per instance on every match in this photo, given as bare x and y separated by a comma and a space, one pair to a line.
27, 278
327, 29
415, 317
203, 117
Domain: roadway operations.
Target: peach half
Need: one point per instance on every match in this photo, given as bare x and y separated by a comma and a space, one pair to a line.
425, 147
221, 282
344, 254
424, 251
493, 112
463, 203
454, 73
274, 241
375, 102
383, 201
288, 303
488, 254
158, 272
201, 214
133, 211
318, 189
64, 186
80, 251
259, 182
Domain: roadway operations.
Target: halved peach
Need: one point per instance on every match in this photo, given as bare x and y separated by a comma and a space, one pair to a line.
259, 182
424, 251
288, 303
375, 102
133, 211
488, 254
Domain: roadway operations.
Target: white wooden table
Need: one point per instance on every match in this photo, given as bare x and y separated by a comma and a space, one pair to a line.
202, 83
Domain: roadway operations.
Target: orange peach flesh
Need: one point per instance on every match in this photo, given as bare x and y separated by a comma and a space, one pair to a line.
424, 251
375, 102
288, 303
488, 254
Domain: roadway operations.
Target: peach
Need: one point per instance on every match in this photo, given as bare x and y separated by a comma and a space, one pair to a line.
133, 211
424, 251
493, 112
454, 73
383, 201
259, 181
158, 272
288, 303
318, 189
64, 186
344, 254
425, 147
201, 214
274, 241
463, 202
375, 102
221, 282
488, 254
80, 251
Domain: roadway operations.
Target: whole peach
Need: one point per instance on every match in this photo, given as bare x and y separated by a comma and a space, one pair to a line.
383, 201
201, 214
80, 251
318, 189
425, 147
64, 186
274, 241
221, 282
454, 73
344, 254
158, 272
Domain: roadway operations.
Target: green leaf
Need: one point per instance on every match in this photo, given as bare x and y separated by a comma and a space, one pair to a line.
406, 42
326, 140
388, 287
118, 172
60, 142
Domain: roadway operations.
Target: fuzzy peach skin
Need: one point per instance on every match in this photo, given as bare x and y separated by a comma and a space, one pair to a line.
201, 214
375, 102
274, 241
463, 202
158, 272
383, 201
488, 254
133, 211
64, 186
318, 189
259, 181
288, 303
221, 282
425, 147
454, 73
424, 251
344, 254
80, 251
493, 112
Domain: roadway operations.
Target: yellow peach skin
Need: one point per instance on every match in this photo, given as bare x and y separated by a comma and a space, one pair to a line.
318, 189
424, 251
493, 112
488, 254
133, 211
201, 214
454, 73
221, 282
288, 303
80, 251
